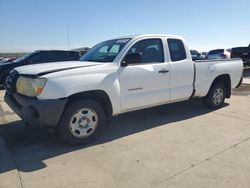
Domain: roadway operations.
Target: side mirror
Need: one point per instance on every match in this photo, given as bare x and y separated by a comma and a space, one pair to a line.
132, 59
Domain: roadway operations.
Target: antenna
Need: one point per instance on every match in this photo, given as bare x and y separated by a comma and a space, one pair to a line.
68, 35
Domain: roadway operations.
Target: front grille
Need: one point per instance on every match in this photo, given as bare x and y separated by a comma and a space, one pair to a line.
10, 82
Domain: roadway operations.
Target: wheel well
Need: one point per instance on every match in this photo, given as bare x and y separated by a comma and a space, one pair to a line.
99, 96
225, 79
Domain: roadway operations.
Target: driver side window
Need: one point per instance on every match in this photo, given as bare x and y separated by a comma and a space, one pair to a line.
151, 50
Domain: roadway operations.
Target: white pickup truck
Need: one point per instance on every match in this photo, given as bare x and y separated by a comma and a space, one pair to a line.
114, 77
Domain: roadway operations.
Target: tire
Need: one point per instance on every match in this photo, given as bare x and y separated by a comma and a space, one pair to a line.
82, 122
216, 96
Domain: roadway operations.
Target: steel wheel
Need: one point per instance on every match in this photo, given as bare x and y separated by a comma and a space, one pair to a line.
83, 123
218, 96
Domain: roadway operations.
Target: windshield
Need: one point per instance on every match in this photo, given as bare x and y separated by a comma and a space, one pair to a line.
23, 57
105, 51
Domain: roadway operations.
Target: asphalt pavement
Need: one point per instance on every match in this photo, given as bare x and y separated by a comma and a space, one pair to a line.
176, 145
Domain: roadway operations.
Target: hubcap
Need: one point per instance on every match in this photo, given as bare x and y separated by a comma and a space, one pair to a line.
218, 96
83, 123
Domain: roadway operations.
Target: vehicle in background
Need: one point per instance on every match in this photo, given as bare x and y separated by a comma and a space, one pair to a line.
219, 54
205, 54
114, 77
196, 55
82, 50
243, 53
6, 60
37, 57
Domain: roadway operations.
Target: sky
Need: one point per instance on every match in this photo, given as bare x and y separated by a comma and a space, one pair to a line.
27, 25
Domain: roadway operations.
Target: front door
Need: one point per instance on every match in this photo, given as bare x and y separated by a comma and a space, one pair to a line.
145, 83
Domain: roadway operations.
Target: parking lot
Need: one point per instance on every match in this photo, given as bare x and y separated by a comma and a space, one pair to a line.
177, 145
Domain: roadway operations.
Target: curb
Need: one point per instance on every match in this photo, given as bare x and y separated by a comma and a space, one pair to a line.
9, 175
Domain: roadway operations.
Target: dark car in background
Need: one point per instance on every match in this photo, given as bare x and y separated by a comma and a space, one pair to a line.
197, 55
243, 53
37, 57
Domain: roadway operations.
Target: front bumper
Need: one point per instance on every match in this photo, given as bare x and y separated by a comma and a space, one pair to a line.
34, 111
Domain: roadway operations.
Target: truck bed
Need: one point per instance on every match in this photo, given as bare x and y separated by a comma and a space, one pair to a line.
206, 68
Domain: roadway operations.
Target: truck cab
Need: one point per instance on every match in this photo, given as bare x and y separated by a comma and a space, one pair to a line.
152, 78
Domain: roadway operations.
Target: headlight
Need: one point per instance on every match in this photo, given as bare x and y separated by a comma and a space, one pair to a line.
31, 87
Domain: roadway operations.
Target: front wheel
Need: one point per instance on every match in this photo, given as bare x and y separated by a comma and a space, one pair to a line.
82, 122
216, 96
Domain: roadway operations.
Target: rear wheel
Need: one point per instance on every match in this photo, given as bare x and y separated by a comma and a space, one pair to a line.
82, 122
216, 96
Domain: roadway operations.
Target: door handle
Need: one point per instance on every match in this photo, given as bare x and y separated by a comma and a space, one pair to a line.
163, 71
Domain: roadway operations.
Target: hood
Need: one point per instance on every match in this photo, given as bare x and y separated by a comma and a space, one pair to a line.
46, 68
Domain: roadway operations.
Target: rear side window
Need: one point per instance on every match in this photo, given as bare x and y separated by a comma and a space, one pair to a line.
177, 50
75, 56
63, 55
56, 56
34, 58
69, 55
53, 56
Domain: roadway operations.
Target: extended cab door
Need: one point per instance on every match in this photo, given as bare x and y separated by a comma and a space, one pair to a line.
181, 70
145, 83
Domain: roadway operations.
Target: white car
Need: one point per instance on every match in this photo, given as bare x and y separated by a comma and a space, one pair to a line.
219, 54
114, 77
